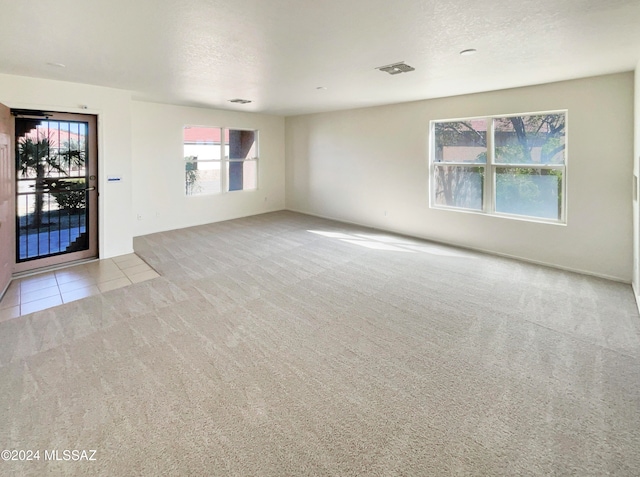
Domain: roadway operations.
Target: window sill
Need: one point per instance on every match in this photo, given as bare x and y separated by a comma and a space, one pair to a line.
520, 218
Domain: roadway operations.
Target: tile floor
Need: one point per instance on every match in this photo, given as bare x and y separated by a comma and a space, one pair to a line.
48, 289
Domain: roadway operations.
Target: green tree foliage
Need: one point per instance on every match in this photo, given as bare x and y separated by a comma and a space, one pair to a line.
518, 140
191, 175
532, 139
72, 155
69, 194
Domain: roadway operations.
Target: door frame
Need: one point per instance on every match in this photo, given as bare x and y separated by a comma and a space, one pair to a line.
82, 109
94, 226
8, 223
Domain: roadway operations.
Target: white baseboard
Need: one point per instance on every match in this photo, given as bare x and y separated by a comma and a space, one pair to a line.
474, 249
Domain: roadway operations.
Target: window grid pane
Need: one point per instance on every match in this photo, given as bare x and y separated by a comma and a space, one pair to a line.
534, 139
202, 177
461, 141
530, 192
459, 186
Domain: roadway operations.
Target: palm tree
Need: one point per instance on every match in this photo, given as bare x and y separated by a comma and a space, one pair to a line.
71, 155
37, 158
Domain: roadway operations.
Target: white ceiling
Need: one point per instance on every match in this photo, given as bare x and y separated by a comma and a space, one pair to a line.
277, 52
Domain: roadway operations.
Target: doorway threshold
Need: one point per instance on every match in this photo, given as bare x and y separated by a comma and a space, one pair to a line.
53, 268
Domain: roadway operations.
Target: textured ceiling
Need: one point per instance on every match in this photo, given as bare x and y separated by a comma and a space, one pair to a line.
277, 52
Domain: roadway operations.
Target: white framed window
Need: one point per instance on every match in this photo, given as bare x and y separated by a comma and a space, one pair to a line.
508, 165
219, 160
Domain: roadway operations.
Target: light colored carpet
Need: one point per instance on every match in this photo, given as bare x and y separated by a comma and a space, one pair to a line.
284, 344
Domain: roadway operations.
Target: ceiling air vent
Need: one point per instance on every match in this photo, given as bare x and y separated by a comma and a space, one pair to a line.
396, 68
240, 101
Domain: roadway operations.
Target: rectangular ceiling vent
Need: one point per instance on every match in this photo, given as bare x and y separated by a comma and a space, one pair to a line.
240, 101
396, 68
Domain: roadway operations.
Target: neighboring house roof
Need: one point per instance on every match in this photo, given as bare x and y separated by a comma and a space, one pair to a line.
201, 134
57, 136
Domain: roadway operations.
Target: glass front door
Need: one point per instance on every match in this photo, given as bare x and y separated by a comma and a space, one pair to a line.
56, 196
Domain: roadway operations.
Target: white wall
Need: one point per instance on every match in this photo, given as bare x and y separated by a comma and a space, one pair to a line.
158, 168
354, 165
113, 108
